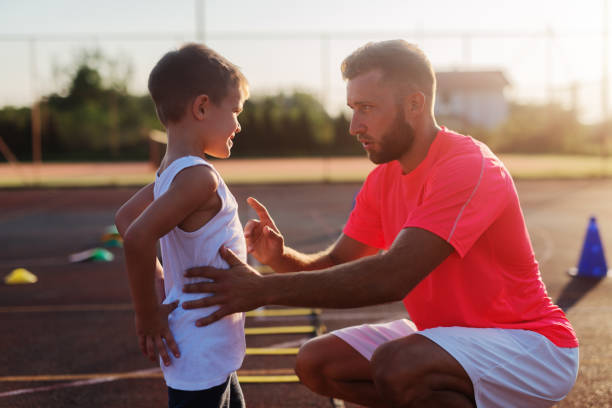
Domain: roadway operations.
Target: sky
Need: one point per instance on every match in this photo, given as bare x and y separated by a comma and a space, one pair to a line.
542, 46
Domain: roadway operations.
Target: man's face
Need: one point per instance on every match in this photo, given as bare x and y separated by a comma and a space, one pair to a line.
378, 118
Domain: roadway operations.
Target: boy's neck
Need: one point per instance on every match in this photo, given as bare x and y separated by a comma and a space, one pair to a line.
182, 141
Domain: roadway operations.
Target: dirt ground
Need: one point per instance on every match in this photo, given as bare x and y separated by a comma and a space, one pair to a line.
83, 325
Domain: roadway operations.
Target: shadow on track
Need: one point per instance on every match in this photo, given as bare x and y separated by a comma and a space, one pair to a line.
575, 289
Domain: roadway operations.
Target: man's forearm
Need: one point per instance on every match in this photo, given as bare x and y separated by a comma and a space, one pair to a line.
292, 261
375, 279
364, 282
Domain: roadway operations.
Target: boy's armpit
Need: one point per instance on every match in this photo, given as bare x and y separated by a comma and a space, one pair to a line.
193, 189
211, 206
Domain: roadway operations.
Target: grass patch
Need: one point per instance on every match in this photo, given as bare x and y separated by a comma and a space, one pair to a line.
270, 171
557, 166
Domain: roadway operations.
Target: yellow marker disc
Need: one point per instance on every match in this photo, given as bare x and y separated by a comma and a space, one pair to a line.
258, 379
254, 351
280, 330
282, 312
20, 276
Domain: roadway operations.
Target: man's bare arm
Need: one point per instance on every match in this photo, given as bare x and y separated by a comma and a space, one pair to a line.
383, 278
371, 280
345, 249
266, 243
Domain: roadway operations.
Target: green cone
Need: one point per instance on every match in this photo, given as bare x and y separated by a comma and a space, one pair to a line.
111, 230
101, 255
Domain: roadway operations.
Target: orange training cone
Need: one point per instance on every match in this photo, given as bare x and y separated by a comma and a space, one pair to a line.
592, 262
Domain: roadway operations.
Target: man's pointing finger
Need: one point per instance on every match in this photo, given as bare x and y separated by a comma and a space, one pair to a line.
259, 208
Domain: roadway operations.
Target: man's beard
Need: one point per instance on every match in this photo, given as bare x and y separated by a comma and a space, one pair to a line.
395, 142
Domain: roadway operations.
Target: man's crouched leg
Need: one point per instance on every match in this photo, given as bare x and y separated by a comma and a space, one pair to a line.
414, 371
329, 366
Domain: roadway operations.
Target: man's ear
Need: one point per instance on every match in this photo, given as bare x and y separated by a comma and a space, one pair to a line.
199, 106
414, 104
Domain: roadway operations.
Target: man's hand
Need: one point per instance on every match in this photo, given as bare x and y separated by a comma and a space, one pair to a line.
263, 238
237, 289
153, 330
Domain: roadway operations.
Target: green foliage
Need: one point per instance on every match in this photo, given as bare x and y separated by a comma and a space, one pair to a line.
344, 144
15, 129
97, 118
93, 117
284, 125
540, 129
537, 129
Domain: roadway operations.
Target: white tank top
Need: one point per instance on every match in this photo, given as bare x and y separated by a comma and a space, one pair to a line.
208, 354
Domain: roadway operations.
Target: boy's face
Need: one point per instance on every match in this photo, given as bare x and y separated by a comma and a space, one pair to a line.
224, 124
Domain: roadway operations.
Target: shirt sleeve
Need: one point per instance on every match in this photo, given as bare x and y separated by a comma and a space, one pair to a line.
462, 198
364, 223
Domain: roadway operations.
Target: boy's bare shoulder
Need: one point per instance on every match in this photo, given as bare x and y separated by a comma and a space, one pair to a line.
200, 179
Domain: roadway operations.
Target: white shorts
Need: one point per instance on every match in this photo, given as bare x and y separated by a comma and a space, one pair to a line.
508, 368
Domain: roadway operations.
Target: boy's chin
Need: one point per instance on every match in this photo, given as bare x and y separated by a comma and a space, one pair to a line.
220, 155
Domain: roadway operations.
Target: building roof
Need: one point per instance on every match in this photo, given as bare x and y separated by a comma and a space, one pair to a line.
471, 80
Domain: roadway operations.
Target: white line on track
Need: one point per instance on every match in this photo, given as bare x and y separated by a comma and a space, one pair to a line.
29, 262
73, 384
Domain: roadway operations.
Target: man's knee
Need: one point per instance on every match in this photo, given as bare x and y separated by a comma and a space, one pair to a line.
413, 369
395, 381
310, 365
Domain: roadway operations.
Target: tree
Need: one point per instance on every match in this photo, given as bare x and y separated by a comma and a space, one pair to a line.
95, 116
284, 125
541, 129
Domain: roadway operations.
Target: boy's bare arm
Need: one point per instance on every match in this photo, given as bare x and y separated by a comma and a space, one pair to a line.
124, 217
133, 207
190, 190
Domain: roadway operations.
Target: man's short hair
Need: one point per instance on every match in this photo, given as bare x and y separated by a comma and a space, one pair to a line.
192, 70
400, 62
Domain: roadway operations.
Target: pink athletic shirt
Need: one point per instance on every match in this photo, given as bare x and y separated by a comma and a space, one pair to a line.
463, 193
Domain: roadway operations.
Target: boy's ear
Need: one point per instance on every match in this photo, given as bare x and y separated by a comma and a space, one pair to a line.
199, 106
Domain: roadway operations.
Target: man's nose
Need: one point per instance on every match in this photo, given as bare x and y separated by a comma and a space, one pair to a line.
356, 127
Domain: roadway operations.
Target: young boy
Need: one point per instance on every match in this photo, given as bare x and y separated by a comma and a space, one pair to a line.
198, 96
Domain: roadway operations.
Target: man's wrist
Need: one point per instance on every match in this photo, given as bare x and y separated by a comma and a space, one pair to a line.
269, 294
278, 261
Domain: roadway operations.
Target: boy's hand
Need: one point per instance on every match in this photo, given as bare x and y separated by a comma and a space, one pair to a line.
153, 330
263, 238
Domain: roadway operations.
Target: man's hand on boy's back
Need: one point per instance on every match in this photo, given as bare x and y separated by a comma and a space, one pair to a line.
152, 330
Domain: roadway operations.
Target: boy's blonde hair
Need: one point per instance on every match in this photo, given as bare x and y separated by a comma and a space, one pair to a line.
192, 70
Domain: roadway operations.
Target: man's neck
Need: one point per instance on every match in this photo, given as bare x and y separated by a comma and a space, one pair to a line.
423, 138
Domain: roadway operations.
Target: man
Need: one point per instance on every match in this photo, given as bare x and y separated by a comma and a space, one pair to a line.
446, 214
